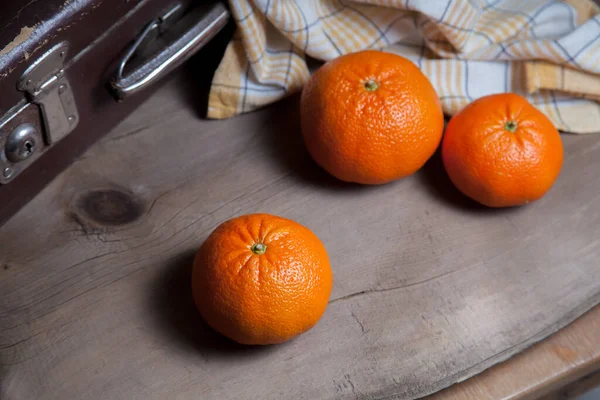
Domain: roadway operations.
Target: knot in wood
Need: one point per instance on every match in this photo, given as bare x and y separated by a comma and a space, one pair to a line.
110, 207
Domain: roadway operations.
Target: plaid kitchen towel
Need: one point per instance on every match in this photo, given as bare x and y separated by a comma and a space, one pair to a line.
546, 50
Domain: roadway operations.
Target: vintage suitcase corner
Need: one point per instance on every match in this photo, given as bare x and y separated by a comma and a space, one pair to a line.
58, 98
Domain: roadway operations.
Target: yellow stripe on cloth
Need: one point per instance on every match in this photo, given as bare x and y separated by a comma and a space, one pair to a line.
546, 76
546, 50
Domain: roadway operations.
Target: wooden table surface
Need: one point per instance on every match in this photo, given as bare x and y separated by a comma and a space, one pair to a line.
429, 288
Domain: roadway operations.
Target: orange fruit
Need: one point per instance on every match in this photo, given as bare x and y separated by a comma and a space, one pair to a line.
261, 279
370, 117
501, 151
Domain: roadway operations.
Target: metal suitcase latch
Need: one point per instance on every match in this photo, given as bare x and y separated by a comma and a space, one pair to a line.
48, 114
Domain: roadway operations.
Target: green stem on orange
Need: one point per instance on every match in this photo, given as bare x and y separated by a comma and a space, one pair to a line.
259, 248
510, 126
371, 85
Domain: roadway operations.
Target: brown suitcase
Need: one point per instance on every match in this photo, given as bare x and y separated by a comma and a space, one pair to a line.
70, 71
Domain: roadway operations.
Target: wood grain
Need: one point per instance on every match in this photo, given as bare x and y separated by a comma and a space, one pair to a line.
429, 289
587, 387
546, 368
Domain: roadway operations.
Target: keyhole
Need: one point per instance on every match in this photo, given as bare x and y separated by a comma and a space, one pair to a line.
28, 148
21, 143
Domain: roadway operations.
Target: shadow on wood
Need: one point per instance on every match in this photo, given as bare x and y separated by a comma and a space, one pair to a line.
283, 138
437, 183
180, 322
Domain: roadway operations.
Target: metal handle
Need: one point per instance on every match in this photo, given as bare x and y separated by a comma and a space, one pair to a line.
206, 22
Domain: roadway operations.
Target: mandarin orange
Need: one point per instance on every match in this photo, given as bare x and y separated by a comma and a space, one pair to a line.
370, 117
261, 279
501, 151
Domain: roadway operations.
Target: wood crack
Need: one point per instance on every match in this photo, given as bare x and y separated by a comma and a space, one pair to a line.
349, 296
362, 327
131, 133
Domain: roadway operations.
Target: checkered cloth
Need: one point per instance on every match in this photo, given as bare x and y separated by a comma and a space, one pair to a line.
546, 50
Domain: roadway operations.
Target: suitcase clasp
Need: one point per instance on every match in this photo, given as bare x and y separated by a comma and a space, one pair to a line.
48, 114
46, 85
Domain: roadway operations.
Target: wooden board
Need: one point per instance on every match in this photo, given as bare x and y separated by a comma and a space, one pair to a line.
587, 388
429, 288
557, 367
